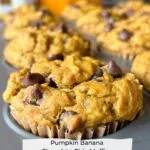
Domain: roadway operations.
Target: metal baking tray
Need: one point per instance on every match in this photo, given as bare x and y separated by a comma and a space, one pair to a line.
139, 129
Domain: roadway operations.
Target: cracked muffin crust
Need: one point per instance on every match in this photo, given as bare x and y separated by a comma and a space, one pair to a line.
118, 30
140, 68
30, 47
130, 35
40, 104
77, 10
26, 18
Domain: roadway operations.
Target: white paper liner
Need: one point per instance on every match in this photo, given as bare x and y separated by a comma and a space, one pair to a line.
56, 132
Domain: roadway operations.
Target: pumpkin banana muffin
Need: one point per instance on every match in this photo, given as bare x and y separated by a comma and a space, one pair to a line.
31, 47
87, 101
77, 10
118, 30
130, 36
140, 68
27, 17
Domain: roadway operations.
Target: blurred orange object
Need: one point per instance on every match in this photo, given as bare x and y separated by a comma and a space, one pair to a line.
57, 6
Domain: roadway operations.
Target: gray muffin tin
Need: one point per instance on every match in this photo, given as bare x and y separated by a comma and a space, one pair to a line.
139, 129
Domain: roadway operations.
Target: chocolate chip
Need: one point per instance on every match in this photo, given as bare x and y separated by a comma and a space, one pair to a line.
33, 103
108, 27
144, 13
62, 27
125, 35
66, 114
111, 20
114, 69
51, 83
56, 57
37, 23
37, 93
46, 12
106, 14
130, 11
124, 16
99, 73
34, 95
32, 78
49, 41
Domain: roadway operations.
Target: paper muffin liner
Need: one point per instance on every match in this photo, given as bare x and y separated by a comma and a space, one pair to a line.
57, 132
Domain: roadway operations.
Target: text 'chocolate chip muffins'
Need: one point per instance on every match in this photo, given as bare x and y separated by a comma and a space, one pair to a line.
75, 98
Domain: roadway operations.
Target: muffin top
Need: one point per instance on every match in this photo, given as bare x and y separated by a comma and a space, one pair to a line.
83, 95
140, 68
28, 17
129, 34
31, 47
78, 10
118, 29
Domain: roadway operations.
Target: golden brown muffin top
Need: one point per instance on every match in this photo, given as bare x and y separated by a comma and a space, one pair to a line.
102, 95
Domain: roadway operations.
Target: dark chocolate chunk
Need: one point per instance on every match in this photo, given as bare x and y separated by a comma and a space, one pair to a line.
124, 16
37, 23
49, 41
62, 27
66, 114
108, 27
33, 103
51, 83
56, 57
125, 35
99, 73
32, 78
34, 95
106, 14
130, 11
37, 93
114, 69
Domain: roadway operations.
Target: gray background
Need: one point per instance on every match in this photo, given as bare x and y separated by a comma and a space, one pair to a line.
139, 130
8, 139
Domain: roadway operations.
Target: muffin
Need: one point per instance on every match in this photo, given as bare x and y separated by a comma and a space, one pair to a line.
117, 30
140, 68
128, 37
77, 98
31, 47
28, 17
77, 10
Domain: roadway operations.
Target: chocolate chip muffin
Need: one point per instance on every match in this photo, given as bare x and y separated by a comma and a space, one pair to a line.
129, 36
140, 68
31, 47
27, 17
76, 98
77, 10
122, 30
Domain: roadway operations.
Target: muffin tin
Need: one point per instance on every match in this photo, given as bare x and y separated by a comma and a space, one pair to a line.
138, 129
